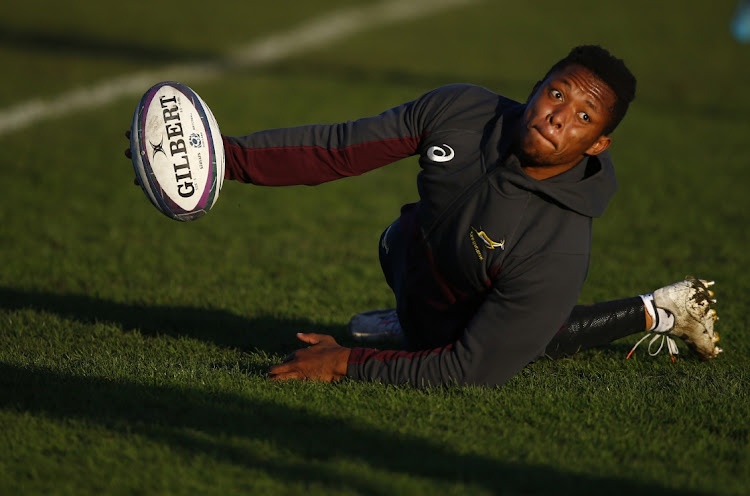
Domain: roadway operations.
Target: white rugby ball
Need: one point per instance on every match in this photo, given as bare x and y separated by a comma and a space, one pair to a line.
177, 151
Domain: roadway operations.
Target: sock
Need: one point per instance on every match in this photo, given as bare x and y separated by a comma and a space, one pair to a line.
662, 320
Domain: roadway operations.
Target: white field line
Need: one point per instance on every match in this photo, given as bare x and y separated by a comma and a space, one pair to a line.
331, 27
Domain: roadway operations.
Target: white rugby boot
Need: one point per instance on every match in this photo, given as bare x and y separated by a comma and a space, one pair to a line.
688, 304
376, 326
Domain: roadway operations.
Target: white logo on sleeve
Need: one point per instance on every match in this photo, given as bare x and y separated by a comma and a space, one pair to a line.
440, 154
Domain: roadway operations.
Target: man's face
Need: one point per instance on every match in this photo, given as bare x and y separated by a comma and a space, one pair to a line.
564, 119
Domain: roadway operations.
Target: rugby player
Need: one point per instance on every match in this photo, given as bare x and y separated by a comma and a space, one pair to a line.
487, 266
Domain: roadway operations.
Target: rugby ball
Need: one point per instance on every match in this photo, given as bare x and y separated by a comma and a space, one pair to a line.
177, 151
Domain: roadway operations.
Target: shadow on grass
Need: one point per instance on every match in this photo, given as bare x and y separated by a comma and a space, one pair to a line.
70, 43
220, 327
221, 425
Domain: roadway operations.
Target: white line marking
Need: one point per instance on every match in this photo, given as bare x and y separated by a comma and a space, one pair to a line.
318, 32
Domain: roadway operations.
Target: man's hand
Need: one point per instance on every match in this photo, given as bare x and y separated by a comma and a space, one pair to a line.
324, 361
130, 156
127, 150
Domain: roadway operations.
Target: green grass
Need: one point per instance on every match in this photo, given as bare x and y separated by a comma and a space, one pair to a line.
133, 349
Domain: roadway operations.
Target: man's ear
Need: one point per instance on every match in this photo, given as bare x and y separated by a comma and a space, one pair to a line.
533, 91
601, 144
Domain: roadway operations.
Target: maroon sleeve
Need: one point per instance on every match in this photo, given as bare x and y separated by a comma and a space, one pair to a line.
287, 165
319, 153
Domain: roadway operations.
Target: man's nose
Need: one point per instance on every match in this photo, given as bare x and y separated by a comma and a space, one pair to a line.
558, 117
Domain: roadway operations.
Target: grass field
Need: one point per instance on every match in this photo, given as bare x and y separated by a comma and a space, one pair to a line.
133, 348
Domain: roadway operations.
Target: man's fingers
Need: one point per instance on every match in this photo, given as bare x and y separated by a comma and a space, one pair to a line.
130, 156
285, 377
312, 338
278, 369
283, 372
309, 338
127, 150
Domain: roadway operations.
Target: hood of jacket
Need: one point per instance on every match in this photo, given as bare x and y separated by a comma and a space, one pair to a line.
586, 188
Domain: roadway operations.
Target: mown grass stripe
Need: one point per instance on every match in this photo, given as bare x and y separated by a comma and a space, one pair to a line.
326, 29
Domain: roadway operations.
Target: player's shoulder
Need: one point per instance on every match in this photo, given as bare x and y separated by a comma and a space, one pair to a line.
466, 91
462, 99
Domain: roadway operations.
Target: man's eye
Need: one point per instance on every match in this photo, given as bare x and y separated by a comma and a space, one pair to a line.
585, 116
556, 94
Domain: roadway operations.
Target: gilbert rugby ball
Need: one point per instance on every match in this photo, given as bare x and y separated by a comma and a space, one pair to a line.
177, 151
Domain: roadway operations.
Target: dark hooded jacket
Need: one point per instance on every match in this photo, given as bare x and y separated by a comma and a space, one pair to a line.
495, 258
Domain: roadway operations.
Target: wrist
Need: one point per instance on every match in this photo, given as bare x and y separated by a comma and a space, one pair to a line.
342, 362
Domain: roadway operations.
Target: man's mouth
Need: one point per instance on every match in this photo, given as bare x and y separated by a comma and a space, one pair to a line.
545, 136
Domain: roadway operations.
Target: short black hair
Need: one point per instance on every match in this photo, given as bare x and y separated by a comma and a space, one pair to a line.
611, 70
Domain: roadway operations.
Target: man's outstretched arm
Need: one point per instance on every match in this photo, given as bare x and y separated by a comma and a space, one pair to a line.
314, 154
